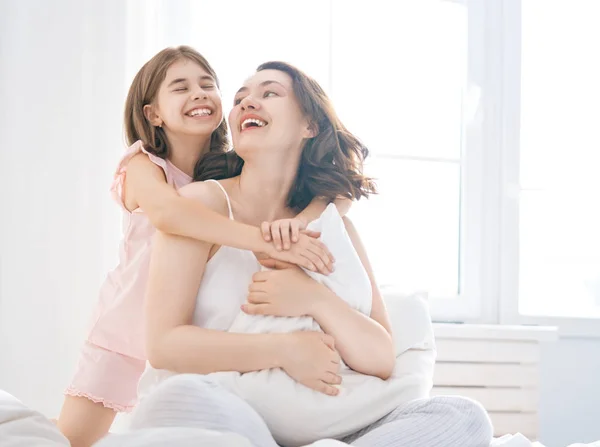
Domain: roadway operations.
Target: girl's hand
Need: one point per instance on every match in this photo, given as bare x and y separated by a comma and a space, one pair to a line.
286, 292
283, 232
311, 359
307, 252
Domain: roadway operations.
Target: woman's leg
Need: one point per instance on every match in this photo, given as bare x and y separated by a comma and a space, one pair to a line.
443, 421
190, 400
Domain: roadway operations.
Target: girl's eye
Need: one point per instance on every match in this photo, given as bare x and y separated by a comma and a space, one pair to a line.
269, 94
181, 89
236, 101
208, 86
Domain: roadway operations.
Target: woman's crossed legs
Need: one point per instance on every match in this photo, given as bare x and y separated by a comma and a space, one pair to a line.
189, 400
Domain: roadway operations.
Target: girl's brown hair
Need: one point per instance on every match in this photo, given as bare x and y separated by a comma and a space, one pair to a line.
143, 91
331, 164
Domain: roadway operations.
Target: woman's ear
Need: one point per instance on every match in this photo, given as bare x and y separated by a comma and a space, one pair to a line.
312, 130
152, 116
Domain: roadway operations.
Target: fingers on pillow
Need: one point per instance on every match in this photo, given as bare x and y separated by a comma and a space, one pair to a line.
322, 387
323, 254
332, 379
307, 261
328, 389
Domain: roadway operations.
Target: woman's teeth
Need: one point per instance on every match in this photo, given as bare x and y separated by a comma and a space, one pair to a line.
250, 121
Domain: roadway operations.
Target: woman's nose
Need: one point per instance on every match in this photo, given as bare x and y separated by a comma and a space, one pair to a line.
249, 103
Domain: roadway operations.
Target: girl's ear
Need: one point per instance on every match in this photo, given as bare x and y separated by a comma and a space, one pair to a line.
152, 116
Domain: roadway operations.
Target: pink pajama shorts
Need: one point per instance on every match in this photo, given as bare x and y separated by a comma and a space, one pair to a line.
107, 377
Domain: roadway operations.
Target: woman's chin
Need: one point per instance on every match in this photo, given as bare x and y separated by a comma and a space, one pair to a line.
245, 147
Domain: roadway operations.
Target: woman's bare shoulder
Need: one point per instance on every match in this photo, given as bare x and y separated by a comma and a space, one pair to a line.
208, 193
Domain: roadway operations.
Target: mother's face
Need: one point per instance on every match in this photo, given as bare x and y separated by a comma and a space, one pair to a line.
266, 115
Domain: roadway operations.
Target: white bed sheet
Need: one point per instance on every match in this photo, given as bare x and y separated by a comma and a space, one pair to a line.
22, 427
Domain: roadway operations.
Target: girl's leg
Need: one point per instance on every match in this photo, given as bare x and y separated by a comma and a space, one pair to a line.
84, 422
190, 400
443, 421
105, 382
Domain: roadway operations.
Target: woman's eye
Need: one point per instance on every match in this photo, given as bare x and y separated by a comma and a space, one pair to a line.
181, 89
236, 101
269, 94
208, 86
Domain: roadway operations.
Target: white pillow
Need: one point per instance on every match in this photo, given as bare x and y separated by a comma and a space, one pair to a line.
297, 415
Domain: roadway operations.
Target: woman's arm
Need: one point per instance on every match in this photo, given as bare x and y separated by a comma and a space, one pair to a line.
318, 205
173, 213
175, 344
364, 343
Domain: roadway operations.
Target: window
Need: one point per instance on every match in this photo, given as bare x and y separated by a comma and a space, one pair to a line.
481, 120
398, 82
559, 229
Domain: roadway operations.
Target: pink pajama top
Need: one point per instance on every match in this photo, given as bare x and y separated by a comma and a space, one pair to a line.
118, 321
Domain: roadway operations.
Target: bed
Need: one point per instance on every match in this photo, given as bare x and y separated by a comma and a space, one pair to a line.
21, 426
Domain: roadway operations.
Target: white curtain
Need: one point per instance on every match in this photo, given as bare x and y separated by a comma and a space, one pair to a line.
62, 89
65, 69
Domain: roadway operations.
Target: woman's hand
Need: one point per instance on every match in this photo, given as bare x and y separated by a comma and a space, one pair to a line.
286, 292
311, 359
308, 252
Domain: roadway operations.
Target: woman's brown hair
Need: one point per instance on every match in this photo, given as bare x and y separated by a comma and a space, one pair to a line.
331, 164
143, 91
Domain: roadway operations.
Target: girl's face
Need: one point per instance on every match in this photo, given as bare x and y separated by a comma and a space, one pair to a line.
188, 101
266, 115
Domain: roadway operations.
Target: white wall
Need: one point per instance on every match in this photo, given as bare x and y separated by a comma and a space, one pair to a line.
570, 392
62, 87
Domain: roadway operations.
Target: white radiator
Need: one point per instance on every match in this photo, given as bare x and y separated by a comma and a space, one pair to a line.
496, 365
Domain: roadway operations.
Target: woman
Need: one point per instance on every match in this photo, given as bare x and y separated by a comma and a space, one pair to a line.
293, 149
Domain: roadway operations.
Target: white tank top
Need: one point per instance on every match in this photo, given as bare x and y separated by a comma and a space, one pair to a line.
224, 288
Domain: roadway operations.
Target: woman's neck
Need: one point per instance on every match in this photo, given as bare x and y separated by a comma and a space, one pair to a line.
263, 190
185, 151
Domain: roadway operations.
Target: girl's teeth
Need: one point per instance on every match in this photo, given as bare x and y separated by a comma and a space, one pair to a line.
198, 112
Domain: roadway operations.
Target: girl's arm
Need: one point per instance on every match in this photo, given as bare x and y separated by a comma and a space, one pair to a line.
169, 212
175, 344
284, 232
147, 188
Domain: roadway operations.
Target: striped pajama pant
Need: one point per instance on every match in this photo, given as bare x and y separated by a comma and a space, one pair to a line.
188, 400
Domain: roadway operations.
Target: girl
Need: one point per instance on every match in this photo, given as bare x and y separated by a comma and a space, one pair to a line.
173, 119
